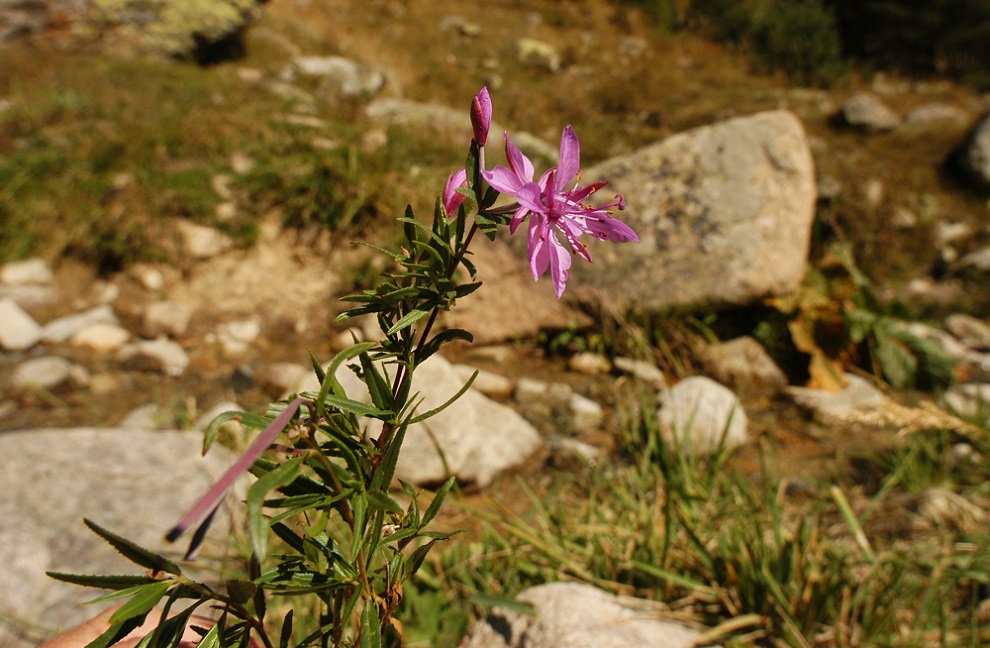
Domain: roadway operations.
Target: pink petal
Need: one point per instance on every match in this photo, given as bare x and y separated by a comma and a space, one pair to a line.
503, 179
560, 263
530, 197
451, 199
539, 257
520, 164
607, 228
570, 158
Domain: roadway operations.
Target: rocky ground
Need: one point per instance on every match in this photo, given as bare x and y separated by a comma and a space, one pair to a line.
728, 214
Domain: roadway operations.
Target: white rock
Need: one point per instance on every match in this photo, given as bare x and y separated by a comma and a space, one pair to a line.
643, 371
150, 277
971, 331
979, 259
284, 378
933, 112
241, 163
161, 355
47, 373
573, 615
829, 407
204, 420
18, 330
586, 414
170, 318
529, 390
201, 242
488, 383
63, 328
29, 295
236, 337
865, 110
565, 449
701, 416
476, 438
971, 401
744, 365
145, 417
28, 271
589, 363
100, 337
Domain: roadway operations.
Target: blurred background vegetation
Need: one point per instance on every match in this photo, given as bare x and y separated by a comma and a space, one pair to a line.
814, 41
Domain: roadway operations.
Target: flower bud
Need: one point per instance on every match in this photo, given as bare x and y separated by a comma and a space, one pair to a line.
481, 116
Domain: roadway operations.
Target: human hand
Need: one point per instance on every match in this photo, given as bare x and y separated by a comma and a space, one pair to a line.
81, 635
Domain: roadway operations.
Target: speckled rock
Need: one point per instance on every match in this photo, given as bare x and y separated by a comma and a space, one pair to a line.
697, 246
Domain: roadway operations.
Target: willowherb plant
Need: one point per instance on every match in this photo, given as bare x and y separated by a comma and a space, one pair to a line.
325, 493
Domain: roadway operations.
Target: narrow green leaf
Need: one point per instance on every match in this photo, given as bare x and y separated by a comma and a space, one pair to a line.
408, 228
371, 632
288, 536
359, 507
136, 554
450, 401
257, 523
409, 319
212, 638
116, 632
103, 582
434, 507
330, 384
439, 340
491, 195
286, 636
356, 407
418, 556
675, 578
246, 418
469, 266
145, 598
317, 367
423, 228
169, 633
378, 387
383, 477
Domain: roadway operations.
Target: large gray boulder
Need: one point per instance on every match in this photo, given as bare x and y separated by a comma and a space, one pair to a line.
723, 212
571, 615
136, 483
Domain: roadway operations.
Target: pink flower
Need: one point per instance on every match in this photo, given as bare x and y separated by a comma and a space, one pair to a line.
509, 180
451, 198
481, 116
554, 208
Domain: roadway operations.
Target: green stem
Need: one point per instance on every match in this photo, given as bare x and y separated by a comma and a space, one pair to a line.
403, 373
